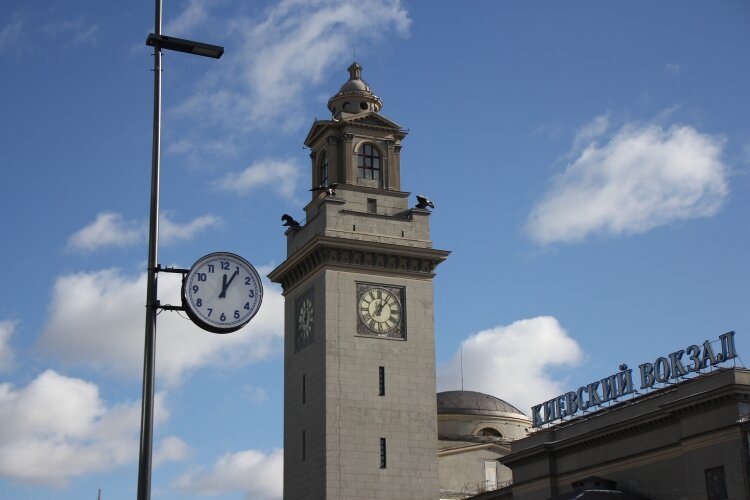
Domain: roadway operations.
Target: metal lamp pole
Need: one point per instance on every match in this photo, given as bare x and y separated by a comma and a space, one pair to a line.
158, 42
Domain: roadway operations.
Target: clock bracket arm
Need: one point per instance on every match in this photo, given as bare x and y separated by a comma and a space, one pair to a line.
174, 270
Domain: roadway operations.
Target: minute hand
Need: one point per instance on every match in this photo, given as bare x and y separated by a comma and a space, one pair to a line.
226, 284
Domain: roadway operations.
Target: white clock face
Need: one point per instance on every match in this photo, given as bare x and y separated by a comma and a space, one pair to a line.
305, 320
222, 292
380, 310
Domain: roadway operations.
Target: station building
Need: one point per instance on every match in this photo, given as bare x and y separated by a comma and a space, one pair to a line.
688, 440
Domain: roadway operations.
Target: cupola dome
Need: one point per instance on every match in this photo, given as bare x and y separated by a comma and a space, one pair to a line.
354, 96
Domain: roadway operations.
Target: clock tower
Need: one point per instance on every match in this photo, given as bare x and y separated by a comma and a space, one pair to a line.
360, 417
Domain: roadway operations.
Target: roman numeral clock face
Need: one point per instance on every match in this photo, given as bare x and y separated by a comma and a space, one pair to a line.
380, 311
222, 292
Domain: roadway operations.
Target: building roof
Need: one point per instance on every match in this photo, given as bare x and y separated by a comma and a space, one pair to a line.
473, 403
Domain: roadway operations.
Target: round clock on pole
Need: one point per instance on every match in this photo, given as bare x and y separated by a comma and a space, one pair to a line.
222, 292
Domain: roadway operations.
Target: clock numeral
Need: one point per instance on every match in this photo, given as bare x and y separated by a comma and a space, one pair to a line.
223, 317
201, 276
210, 311
199, 303
251, 294
195, 288
224, 266
211, 268
248, 281
247, 305
366, 317
236, 314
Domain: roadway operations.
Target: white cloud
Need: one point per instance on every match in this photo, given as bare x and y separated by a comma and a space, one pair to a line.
256, 394
111, 337
58, 427
110, 229
11, 33
589, 132
511, 362
279, 176
74, 32
171, 449
195, 13
258, 475
172, 232
7, 356
673, 68
86, 35
285, 53
644, 177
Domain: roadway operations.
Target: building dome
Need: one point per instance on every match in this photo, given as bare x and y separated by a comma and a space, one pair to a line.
473, 403
354, 86
355, 95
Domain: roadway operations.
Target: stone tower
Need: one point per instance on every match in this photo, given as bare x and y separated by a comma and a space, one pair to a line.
360, 419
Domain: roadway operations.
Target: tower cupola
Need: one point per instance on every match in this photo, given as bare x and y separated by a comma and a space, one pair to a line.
354, 96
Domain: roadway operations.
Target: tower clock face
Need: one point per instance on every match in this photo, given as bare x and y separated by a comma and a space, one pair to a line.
380, 310
305, 319
222, 292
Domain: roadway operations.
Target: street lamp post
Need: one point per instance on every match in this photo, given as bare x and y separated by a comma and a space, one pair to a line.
158, 42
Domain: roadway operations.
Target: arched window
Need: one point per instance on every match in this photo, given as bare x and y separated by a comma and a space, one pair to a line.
489, 432
323, 170
368, 162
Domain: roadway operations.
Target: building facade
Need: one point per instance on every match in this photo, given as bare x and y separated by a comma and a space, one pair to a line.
686, 441
359, 349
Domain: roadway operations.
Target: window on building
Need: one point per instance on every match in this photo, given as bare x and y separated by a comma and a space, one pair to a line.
716, 484
323, 170
381, 380
490, 475
368, 162
382, 453
489, 431
372, 205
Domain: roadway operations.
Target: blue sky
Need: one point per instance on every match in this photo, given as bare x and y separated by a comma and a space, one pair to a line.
588, 160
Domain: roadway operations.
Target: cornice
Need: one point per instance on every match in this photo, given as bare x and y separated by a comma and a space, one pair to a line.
356, 255
499, 446
319, 127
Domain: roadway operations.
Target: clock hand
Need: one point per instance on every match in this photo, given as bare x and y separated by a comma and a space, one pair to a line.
226, 284
232, 278
379, 308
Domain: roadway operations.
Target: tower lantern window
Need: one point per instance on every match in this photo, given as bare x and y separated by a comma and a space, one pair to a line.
368, 162
323, 172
